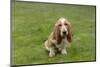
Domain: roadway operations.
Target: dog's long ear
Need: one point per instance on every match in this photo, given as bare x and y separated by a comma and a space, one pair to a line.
57, 35
69, 36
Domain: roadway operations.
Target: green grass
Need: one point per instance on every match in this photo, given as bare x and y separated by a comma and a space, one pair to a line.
33, 22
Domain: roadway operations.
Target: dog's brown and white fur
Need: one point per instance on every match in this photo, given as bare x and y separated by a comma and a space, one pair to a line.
59, 38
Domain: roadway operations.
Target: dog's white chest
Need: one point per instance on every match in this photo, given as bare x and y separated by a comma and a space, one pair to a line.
62, 44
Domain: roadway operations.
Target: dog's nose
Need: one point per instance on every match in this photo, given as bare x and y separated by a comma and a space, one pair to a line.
64, 32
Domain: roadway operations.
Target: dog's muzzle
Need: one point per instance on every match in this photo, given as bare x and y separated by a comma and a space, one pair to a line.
64, 32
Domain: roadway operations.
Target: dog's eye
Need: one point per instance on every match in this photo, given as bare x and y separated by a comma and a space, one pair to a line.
59, 25
65, 23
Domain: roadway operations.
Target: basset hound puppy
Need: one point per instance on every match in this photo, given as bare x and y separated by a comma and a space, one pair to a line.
59, 38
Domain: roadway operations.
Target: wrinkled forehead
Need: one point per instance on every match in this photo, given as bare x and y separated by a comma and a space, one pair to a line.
62, 21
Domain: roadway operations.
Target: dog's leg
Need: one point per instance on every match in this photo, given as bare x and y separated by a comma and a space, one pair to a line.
63, 51
52, 52
50, 48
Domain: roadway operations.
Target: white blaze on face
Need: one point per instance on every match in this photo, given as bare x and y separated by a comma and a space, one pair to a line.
63, 27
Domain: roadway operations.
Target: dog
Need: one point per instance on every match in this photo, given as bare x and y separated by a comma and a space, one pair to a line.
59, 38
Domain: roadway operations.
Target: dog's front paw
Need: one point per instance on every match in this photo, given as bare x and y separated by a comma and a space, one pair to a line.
63, 51
51, 54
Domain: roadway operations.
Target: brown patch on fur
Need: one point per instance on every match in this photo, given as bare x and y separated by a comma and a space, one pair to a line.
57, 35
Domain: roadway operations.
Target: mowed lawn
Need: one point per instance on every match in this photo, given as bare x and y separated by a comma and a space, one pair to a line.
33, 22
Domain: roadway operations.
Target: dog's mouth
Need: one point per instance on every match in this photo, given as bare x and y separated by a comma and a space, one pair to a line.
64, 36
